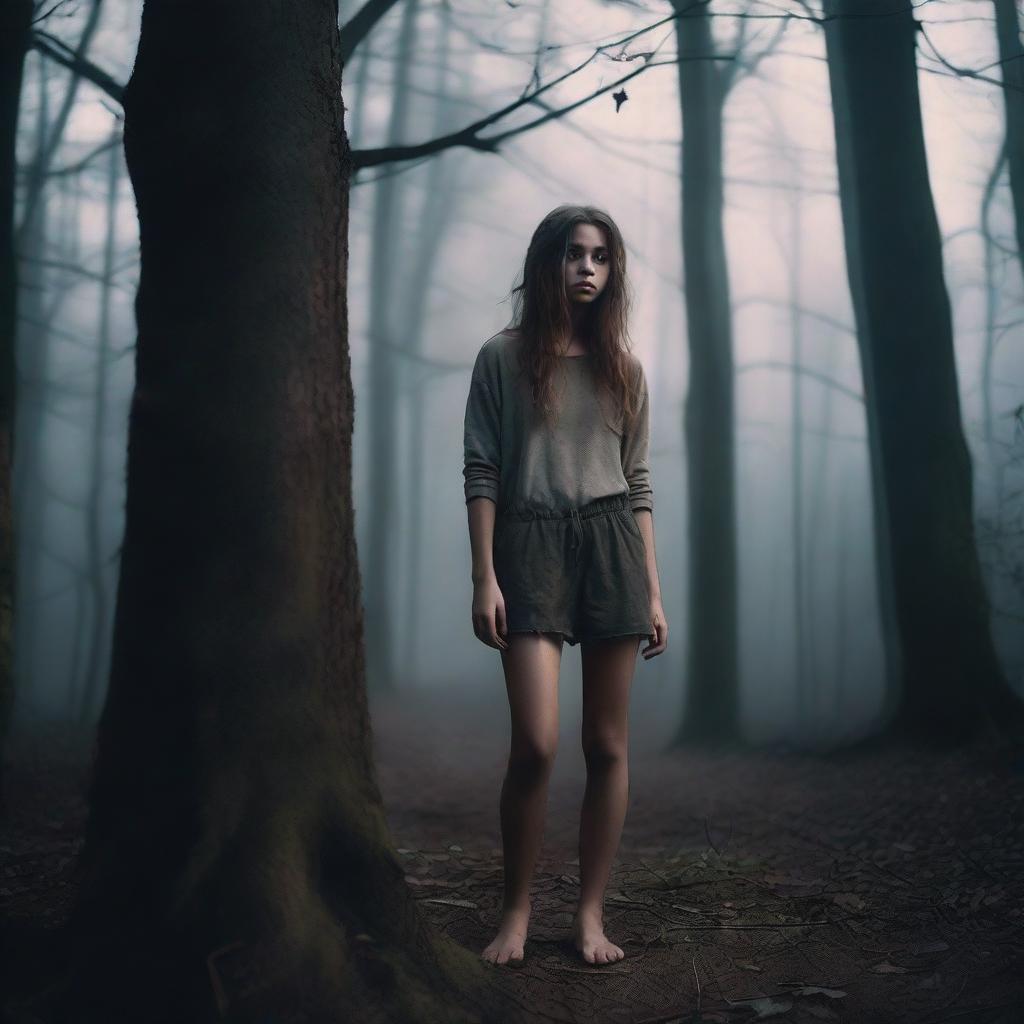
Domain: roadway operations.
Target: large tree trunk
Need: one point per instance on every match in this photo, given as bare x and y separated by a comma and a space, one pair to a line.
712, 670
950, 674
15, 18
236, 823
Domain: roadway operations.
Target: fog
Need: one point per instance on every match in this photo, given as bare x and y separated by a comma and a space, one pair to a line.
436, 244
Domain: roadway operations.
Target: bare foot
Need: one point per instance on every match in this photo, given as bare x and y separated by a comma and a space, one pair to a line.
591, 941
507, 945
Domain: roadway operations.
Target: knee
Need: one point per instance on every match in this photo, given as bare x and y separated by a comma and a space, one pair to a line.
532, 760
604, 750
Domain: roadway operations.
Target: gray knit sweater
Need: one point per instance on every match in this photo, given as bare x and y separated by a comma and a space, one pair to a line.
520, 463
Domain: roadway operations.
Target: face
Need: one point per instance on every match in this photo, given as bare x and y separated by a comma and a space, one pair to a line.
587, 262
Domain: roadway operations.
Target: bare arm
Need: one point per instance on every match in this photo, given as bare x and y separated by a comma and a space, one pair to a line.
635, 453
481, 513
659, 624
488, 604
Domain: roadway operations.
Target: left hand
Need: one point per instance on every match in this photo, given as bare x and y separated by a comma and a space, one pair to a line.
658, 639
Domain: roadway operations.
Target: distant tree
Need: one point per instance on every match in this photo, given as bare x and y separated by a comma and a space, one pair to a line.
96, 554
951, 680
1011, 63
15, 22
388, 331
22, 484
236, 826
712, 670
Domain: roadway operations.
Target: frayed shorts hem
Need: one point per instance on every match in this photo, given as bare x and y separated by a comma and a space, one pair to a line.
572, 639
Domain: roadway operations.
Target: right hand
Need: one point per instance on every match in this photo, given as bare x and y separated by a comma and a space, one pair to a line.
489, 613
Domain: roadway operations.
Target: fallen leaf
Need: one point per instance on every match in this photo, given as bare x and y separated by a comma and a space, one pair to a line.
765, 1006
887, 968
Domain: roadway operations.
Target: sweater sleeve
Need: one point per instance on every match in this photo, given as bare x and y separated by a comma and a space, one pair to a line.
482, 437
635, 451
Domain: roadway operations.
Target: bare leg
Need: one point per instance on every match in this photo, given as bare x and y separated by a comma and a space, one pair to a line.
608, 667
531, 665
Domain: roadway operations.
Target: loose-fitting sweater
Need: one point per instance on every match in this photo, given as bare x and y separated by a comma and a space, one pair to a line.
521, 463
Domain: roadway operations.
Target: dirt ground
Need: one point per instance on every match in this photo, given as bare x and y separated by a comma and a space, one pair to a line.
881, 886
884, 885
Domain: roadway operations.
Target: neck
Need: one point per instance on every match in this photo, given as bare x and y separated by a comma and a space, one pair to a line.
579, 318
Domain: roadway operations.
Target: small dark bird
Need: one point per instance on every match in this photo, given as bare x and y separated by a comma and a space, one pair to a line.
620, 97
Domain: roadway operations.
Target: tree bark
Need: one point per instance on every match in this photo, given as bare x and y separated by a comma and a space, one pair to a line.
950, 674
238, 860
712, 673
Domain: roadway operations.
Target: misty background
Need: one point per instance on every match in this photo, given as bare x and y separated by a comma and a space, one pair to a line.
436, 243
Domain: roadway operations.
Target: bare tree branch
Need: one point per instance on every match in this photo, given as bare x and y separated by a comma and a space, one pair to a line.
960, 72
470, 137
79, 165
358, 27
82, 66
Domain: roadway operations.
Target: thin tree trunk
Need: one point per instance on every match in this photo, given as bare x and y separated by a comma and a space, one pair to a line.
387, 334
15, 18
55, 132
28, 486
33, 360
96, 567
436, 212
822, 667
236, 831
849, 208
991, 312
1011, 63
712, 671
950, 673
800, 639
842, 601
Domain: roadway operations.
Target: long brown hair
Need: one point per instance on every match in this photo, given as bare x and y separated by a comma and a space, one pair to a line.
541, 317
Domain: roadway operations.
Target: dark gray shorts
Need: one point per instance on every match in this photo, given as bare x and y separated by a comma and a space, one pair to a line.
580, 573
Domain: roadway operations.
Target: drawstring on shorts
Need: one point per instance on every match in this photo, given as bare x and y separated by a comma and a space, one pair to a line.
574, 515
599, 506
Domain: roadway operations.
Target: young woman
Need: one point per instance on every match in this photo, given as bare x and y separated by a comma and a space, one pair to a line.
560, 502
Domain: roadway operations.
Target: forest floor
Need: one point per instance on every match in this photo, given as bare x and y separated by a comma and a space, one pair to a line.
885, 885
